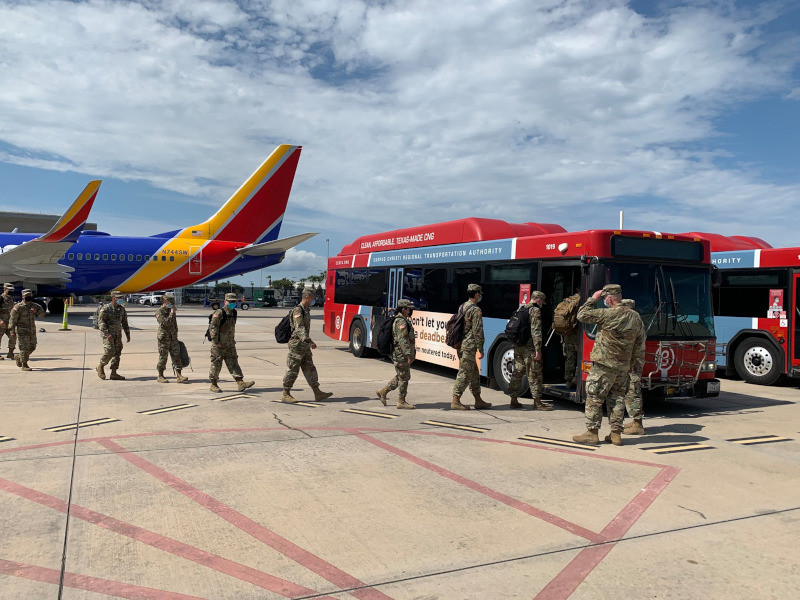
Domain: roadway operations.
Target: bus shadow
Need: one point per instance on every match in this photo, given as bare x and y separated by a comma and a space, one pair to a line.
727, 403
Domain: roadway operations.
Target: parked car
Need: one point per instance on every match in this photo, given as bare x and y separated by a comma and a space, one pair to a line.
151, 299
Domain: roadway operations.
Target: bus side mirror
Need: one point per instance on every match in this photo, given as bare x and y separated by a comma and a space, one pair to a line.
597, 277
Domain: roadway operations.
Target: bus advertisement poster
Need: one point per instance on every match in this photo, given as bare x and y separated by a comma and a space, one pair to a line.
524, 293
429, 328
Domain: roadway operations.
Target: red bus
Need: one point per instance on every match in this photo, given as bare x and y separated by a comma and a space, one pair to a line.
756, 310
669, 277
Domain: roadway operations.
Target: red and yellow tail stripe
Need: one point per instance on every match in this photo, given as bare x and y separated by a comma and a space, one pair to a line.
69, 226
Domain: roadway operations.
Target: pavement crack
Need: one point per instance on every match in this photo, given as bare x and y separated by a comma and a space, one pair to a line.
694, 511
282, 424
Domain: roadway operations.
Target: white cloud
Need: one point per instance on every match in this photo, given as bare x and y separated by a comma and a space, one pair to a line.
409, 112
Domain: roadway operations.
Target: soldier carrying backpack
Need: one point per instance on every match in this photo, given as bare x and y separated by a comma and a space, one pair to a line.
524, 330
565, 323
403, 351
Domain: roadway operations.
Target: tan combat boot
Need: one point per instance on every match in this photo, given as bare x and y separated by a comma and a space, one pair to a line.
515, 404
615, 437
100, 372
25, 367
161, 378
19, 361
590, 437
10, 354
480, 404
319, 395
634, 428
214, 386
2, 357
382, 393
181, 378
116, 376
287, 396
539, 405
401, 403
456, 404
243, 385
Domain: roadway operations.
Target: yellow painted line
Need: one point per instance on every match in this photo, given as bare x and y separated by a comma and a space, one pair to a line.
58, 428
455, 426
678, 448
5, 439
369, 413
234, 397
760, 440
533, 438
309, 404
157, 411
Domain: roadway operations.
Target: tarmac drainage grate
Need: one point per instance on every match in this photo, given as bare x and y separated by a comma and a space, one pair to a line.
80, 424
158, 411
4, 438
759, 439
675, 448
370, 413
234, 397
456, 426
544, 440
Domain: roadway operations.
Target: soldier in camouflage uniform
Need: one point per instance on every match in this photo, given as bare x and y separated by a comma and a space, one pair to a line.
222, 330
300, 347
22, 327
619, 342
113, 320
470, 352
528, 358
403, 354
6, 304
633, 399
167, 336
569, 346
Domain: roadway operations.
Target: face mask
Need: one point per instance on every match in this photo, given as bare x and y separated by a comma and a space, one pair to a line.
28, 299
231, 304
480, 298
170, 305
410, 311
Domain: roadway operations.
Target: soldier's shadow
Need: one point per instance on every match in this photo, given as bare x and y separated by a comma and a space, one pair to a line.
640, 440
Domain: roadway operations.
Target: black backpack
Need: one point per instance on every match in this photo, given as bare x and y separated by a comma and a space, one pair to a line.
283, 330
184, 354
224, 318
518, 328
454, 330
385, 339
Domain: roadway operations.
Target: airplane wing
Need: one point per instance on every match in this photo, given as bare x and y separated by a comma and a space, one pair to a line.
36, 261
275, 247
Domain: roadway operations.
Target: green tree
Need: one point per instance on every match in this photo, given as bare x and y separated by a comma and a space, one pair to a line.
283, 284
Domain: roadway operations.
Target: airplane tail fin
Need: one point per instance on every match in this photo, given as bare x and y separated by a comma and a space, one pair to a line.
68, 228
255, 211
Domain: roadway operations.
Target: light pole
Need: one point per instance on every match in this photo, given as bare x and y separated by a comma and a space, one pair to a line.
328, 256
252, 292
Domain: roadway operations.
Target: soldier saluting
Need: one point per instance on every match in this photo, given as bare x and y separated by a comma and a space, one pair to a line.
6, 304
167, 336
22, 327
113, 320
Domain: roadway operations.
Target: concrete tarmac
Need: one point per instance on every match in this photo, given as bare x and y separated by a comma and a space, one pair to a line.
169, 491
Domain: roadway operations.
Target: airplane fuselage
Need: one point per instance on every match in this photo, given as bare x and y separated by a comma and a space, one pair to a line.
103, 262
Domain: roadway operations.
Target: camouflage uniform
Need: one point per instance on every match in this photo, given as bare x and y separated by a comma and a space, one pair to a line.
167, 337
113, 321
619, 341
404, 349
469, 374
22, 327
569, 345
524, 364
633, 399
300, 350
223, 344
6, 304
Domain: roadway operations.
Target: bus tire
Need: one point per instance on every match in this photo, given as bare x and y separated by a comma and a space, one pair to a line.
56, 306
758, 361
358, 339
503, 366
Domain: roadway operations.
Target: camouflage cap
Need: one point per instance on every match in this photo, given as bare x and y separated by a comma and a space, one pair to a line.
169, 297
230, 298
474, 287
628, 302
117, 294
308, 292
405, 304
535, 295
612, 289
8, 286
26, 293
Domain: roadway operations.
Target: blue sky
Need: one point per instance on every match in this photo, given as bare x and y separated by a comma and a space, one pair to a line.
684, 114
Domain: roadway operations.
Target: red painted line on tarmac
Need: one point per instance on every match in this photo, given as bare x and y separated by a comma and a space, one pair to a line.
567, 581
500, 497
89, 584
270, 538
160, 542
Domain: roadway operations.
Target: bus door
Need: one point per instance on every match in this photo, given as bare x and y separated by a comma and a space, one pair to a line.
395, 292
794, 307
558, 280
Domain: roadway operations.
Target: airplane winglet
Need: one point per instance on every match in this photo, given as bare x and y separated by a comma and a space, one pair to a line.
276, 246
71, 223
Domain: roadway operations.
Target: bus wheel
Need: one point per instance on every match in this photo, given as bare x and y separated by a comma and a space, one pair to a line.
358, 339
757, 361
56, 306
503, 366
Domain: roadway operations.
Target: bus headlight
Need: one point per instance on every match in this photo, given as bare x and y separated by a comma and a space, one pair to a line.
709, 367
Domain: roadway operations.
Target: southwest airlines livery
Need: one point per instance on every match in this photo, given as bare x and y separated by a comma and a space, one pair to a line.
241, 237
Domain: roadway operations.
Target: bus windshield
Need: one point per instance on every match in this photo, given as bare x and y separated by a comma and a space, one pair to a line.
673, 301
